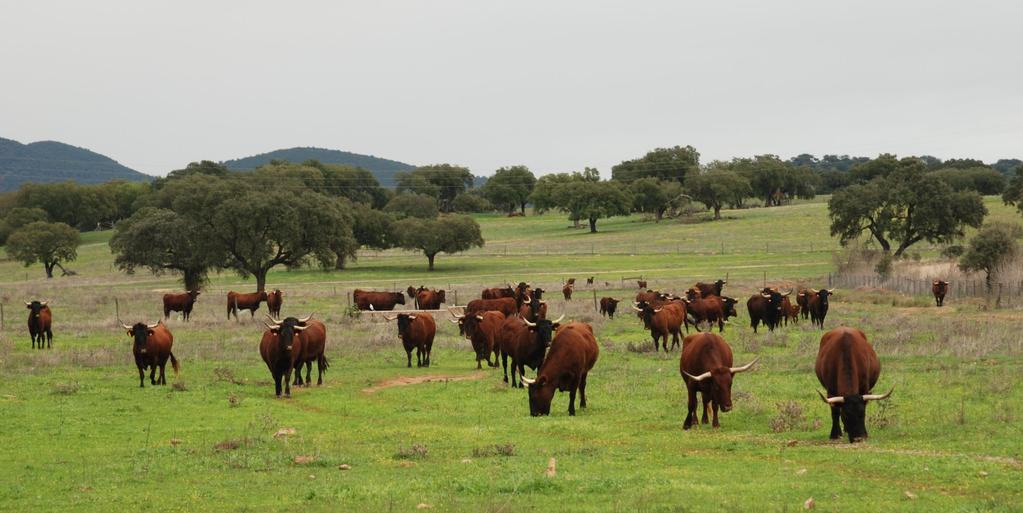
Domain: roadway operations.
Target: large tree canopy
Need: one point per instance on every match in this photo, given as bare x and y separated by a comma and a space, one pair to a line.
46, 243
904, 207
993, 246
774, 180
593, 200
510, 188
718, 187
442, 181
447, 234
161, 241
653, 196
671, 164
1013, 194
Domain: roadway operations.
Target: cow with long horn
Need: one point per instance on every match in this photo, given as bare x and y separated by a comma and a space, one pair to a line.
40, 323
482, 330
281, 348
848, 368
152, 348
416, 332
525, 343
939, 288
663, 321
573, 353
766, 306
706, 368
818, 306
313, 338
533, 306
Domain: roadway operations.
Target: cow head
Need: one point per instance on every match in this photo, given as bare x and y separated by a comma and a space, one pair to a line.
411, 291
718, 383
286, 330
718, 285
646, 311
940, 286
853, 411
471, 323
612, 305
404, 323
544, 329
36, 307
822, 297
728, 306
541, 393
693, 294
774, 300
140, 332
440, 296
534, 302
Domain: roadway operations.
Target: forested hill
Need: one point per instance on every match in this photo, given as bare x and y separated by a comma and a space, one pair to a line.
383, 169
51, 161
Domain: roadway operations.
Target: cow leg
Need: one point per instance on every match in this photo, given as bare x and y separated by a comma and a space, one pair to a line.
287, 381
706, 403
836, 427
408, 352
504, 363
142, 375
308, 373
163, 374
319, 370
33, 337
277, 383
49, 338
152, 373
298, 376
582, 391
714, 405
691, 409
571, 402
721, 325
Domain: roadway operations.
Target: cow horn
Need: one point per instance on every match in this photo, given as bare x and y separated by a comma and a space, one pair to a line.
524, 379
28, 303
479, 317
558, 319
275, 322
724, 282
935, 282
744, 368
542, 302
389, 318
530, 324
300, 328
123, 325
876, 397
152, 326
268, 326
527, 300
636, 309
831, 400
412, 317
306, 319
656, 310
765, 295
452, 321
44, 303
831, 291
701, 377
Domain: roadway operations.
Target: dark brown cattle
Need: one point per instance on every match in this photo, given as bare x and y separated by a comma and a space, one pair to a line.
571, 281
413, 294
314, 345
608, 305
589, 281
848, 368
789, 311
765, 306
939, 289
417, 332
238, 301
274, 301
152, 348
371, 300
641, 284
40, 323
573, 353
710, 310
567, 291
505, 305
180, 303
651, 296
706, 367
522, 291
818, 306
710, 289
281, 349
481, 329
430, 299
663, 321
498, 293
803, 300
533, 307
525, 343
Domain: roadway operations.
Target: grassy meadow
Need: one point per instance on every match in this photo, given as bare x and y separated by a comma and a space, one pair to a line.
79, 435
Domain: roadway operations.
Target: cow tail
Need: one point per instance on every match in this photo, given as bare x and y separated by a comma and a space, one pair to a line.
175, 364
323, 362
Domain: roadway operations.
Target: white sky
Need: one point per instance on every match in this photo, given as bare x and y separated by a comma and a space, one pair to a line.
555, 85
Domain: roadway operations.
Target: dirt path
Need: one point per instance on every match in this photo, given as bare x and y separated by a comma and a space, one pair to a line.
415, 380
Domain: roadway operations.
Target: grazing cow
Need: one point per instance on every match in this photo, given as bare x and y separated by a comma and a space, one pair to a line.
608, 305
482, 329
40, 323
416, 332
710, 289
498, 293
533, 307
706, 367
803, 300
765, 307
939, 289
413, 294
180, 303
573, 353
314, 345
152, 348
711, 309
430, 299
525, 343
589, 281
274, 301
238, 301
818, 306
567, 291
370, 300
663, 321
641, 284
281, 349
848, 368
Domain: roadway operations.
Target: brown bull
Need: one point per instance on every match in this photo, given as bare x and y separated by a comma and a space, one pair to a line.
765, 306
789, 311
413, 294
40, 323
663, 321
710, 289
573, 353
803, 300
711, 309
641, 284
180, 303
848, 368
151, 348
498, 293
281, 349
313, 347
525, 343
482, 329
567, 291
274, 301
608, 305
417, 332
939, 289
818, 306
372, 300
505, 305
430, 299
239, 301
706, 367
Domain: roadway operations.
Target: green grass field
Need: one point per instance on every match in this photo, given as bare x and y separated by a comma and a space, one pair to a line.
79, 435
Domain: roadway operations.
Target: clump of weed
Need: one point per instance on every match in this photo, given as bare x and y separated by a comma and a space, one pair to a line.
352, 311
790, 418
179, 386
494, 450
229, 445
412, 452
66, 388
643, 347
233, 400
884, 414
225, 374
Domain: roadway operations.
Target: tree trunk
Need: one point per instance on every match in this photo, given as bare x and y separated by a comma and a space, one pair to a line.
522, 207
575, 223
717, 211
340, 262
261, 279
593, 225
192, 280
49, 268
430, 257
987, 282
659, 215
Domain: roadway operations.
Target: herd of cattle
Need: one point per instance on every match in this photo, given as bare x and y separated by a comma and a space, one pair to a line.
510, 323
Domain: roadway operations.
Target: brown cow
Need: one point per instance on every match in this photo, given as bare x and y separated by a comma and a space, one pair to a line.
281, 349
522, 291
710, 289
608, 305
525, 343
706, 367
371, 300
314, 345
180, 303
641, 284
589, 281
238, 301
152, 348
765, 306
40, 323
481, 329
417, 332
663, 321
274, 301
789, 311
573, 353
818, 306
533, 307
710, 310
848, 368
430, 299
939, 289
497, 293
803, 300
567, 291
413, 294
505, 305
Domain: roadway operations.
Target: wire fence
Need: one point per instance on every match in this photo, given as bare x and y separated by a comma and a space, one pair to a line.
1004, 293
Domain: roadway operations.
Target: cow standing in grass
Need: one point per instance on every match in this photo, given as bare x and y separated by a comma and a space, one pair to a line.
608, 305
416, 332
274, 301
313, 345
482, 331
848, 368
939, 288
180, 303
818, 306
572, 355
281, 349
152, 348
372, 300
662, 322
239, 301
40, 323
525, 343
706, 368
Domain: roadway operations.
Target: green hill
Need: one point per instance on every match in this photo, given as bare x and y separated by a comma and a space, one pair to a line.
383, 169
52, 161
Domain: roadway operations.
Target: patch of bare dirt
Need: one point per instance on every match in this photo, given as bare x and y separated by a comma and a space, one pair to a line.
415, 380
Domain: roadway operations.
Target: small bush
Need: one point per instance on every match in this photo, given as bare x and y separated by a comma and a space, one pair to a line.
642, 347
179, 386
66, 388
412, 452
494, 450
225, 374
790, 418
233, 400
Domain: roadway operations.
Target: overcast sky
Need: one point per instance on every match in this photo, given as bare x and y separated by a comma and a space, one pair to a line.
555, 85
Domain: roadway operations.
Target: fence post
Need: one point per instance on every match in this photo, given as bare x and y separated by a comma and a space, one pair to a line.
117, 309
456, 297
1, 316
595, 300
